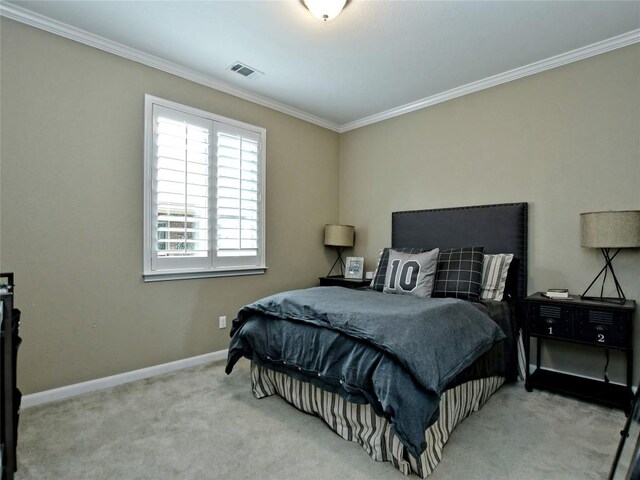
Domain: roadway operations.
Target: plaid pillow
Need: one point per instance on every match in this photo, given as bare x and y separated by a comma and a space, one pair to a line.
459, 273
381, 270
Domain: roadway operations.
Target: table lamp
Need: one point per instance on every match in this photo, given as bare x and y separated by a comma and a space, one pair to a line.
607, 231
340, 237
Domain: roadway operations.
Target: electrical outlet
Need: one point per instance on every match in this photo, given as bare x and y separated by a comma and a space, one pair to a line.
223, 321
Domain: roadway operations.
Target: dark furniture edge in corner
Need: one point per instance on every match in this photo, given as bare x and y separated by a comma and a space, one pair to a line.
10, 394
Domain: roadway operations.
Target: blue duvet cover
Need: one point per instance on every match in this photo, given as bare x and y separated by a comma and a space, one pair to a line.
395, 352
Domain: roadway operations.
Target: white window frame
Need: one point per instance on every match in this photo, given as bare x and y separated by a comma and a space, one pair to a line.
188, 267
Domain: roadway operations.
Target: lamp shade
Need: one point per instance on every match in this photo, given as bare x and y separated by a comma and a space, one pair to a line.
610, 229
339, 235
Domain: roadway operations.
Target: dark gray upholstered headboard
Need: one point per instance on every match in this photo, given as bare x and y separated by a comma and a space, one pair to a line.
498, 228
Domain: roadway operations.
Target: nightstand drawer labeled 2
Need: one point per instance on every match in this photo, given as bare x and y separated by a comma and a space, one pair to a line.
550, 320
604, 327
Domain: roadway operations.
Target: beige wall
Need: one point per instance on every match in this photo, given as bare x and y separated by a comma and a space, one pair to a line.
71, 226
566, 141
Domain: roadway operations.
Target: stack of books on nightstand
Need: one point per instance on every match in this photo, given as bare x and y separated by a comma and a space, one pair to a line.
557, 293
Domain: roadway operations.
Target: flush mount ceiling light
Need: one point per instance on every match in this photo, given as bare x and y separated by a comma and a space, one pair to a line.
325, 10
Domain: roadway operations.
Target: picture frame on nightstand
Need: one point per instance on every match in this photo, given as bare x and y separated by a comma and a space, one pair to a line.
354, 268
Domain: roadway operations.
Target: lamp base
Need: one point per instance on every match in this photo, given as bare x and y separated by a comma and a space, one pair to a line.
608, 266
339, 260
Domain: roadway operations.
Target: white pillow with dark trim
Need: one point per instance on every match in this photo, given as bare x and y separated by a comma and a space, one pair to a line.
494, 275
411, 274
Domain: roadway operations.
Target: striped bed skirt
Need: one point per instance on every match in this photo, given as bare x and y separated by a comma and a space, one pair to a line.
359, 423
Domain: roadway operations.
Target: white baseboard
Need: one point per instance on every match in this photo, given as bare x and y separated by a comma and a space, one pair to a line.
101, 383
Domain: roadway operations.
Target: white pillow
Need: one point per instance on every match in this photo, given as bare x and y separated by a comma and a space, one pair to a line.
411, 274
494, 275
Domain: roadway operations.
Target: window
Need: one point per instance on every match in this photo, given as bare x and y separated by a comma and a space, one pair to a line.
204, 194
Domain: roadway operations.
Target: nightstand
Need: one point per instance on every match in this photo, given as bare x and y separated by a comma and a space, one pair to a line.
340, 281
588, 322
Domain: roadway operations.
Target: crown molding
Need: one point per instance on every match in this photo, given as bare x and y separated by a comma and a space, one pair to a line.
33, 19
28, 17
604, 46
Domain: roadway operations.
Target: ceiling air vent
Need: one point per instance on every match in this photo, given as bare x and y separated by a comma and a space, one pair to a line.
245, 70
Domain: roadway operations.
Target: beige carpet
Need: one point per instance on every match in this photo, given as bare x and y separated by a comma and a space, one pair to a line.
202, 424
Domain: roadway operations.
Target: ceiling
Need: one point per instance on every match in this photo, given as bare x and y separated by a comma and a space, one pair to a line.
376, 57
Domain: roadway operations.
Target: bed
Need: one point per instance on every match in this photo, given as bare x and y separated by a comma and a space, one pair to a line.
397, 373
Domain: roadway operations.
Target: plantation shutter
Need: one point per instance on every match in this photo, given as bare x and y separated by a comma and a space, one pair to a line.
182, 199
204, 206
238, 195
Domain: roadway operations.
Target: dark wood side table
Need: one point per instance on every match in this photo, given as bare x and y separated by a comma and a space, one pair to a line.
601, 325
340, 281
10, 395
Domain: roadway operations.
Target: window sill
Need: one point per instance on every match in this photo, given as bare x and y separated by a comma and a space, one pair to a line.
165, 276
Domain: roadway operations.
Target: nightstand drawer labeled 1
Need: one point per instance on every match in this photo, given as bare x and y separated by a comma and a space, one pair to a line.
550, 320
603, 327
